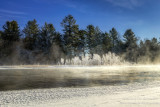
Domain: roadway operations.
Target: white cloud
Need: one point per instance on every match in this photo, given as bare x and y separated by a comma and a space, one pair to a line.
129, 4
11, 16
12, 12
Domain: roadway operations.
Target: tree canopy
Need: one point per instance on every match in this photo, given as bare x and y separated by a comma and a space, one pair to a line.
45, 44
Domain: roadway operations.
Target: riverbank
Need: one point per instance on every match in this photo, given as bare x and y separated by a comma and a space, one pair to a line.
135, 94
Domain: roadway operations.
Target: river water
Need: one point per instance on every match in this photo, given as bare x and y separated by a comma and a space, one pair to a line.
55, 77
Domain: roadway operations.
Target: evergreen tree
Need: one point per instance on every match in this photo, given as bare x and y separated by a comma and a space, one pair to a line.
115, 40
31, 32
1, 43
99, 42
91, 42
58, 40
71, 37
106, 43
9, 35
11, 31
46, 37
82, 42
149, 49
130, 45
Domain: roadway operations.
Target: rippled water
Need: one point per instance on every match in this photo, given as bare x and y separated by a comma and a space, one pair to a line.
15, 79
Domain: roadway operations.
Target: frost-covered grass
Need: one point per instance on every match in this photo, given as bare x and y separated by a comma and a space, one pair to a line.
107, 59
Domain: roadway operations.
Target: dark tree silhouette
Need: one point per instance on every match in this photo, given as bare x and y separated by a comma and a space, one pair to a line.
46, 45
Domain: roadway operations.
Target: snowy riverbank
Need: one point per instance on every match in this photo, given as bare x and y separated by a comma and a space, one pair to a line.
136, 94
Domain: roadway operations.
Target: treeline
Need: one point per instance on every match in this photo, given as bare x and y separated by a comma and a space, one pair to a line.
44, 45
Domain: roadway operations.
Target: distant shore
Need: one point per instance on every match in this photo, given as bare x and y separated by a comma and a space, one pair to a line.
114, 67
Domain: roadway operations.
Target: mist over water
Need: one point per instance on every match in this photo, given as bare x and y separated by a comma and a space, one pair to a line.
32, 77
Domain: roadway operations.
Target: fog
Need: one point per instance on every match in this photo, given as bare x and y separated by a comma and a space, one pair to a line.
20, 56
37, 76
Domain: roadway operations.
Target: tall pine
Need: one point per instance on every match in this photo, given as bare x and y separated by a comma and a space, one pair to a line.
31, 32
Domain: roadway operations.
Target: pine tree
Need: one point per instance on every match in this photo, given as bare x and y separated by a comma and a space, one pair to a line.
9, 35
106, 43
82, 42
11, 31
131, 47
149, 49
115, 40
71, 37
46, 38
1, 44
31, 32
91, 43
99, 42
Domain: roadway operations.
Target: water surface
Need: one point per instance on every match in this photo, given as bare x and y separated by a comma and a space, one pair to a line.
16, 79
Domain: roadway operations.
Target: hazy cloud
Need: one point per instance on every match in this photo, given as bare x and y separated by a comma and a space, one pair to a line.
11, 16
12, 12
129, 4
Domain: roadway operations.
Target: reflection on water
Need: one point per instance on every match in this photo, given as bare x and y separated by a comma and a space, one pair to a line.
15, 79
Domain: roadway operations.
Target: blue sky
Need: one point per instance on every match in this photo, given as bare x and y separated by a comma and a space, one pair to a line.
142, 16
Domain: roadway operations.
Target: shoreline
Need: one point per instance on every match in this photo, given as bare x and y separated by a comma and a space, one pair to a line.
125, 95
77, 66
